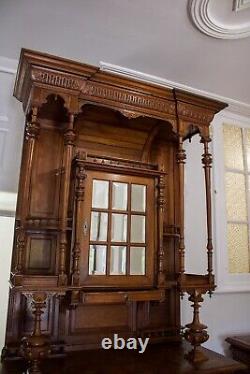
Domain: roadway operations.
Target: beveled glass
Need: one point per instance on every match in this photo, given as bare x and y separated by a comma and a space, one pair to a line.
119, 227
99, 226
137, 261
138, 198
97, 259
100, 196
118, 260
119, 196
137, 229
235, 196
238, 248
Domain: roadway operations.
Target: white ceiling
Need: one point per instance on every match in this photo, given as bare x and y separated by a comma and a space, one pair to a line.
154, 37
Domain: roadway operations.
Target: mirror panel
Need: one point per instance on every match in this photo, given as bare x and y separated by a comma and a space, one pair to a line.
137, 261
118, 260
97, 259
100, 196
119, 227
137, 229
138, 198
99, 226
119, 196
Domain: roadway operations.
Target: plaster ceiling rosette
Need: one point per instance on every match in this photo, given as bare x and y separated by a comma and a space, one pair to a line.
222, 19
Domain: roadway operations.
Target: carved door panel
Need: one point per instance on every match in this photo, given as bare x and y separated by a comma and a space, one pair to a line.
118, 231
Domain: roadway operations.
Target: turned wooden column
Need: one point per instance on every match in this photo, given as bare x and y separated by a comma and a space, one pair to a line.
31, 134
161, 204
37, 346
69, 139
196, 333
181, 157
79, 198
207, 164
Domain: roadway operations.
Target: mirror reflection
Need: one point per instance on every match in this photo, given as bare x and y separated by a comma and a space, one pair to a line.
119, 196
138, 198
118, 260
119, 228
137, 260
137, 229
100, 195
99, 226
97, 259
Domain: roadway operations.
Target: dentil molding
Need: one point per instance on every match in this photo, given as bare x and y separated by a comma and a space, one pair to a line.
205, 22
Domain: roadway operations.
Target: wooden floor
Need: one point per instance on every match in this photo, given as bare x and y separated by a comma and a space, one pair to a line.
157, 359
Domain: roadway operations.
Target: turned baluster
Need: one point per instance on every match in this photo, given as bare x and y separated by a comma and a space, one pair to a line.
161, 204
31, 134
36, 347
196, 333
207, 162
69, 138
79, 198
181, 157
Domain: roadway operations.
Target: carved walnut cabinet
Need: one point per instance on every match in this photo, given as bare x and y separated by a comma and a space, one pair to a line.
99, 235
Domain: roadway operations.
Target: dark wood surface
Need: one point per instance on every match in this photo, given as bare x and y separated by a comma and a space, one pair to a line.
157, 359
240, 348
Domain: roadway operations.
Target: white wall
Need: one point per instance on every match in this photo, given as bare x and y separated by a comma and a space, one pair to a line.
225, 314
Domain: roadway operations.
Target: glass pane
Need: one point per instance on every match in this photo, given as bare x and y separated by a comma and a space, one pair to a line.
138, 198
237, 241
137, 229
235, 196
100, 194
137, 260
233, 147
97, 259
99, 226
247, 132
120, 196
118, 260
119, 228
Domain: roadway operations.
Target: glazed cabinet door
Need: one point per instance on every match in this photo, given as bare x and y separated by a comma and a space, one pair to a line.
117, 238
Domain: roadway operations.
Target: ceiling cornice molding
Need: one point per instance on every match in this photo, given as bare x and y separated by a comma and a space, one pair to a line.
241, 5
203, 20
235, 106
8, 65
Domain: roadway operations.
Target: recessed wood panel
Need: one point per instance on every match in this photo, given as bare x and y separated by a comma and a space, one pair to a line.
41, 250
99, 317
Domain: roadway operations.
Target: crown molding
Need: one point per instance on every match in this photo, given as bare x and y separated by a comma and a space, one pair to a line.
8, 65
234, 106
205, 22
241, 5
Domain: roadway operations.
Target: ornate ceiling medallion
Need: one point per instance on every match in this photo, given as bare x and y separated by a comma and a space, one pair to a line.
205, 21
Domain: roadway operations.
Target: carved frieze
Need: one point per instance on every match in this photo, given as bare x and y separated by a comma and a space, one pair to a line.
57, 79
130, 98
194, 114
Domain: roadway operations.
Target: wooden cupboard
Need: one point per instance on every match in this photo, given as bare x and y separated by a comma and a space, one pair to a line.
99, 235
